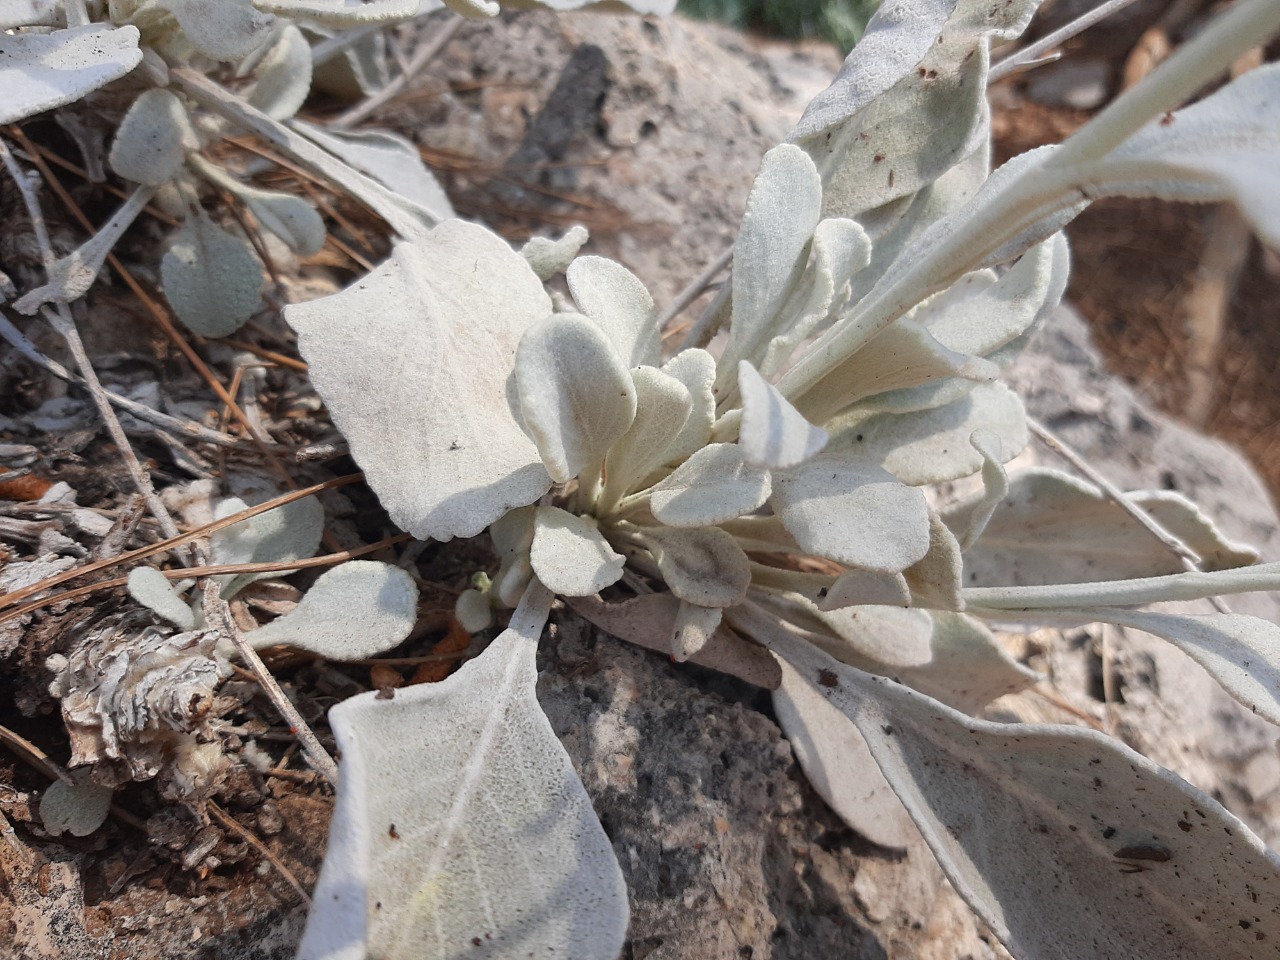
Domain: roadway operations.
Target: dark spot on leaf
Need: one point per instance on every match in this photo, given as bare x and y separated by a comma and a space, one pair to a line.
1184, 826
1108, 833
392, 832
477, 942
1143, 851
888, 730
828, 679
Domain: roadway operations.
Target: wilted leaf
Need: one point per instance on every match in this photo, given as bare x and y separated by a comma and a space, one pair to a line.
284, 76
837, 506
358, 609
1054, 528
414, 361
838, 764
494, 839
576, 395
212, 278
153, 139
619, 304
77, 808
649, 621
570, 555
1011, 810
773, 434
41, 71
713, 485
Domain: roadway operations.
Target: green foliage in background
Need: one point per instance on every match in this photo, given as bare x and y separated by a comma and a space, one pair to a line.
840, 21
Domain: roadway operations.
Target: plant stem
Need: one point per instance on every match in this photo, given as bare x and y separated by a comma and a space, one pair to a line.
1027, 55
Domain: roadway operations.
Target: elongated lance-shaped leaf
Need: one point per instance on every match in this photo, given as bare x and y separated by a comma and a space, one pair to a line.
838, 764
493, 840
570, 555
613, 297
782, 212
340, 14
1242, 653
414, 362
714, 485
576, 394
1016, 815
773, 434
358, 609
41, 71
291, 218
846, 509
1050, 527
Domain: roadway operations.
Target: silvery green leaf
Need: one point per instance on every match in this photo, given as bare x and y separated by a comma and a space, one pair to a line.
512, 536
356, 610
570, 555
413, 362
935, 581
288, 532
840, 249
1140, 592
696, 369
619, 304
910, 101
714, 485
222, 29
40, 71
340, 14
838, 764
284, 76
1221, 148
969, 668
424, 858
843, 508
1242, 653
663, 405
649, 621
153, 139
474, 9
292, 219
930, 446
1054, 528
872, 637
473, 610
863, 587
71, 276
78, 808
763, 533
995, 487
771, 250
704, 565
389, 159
576, 394
1009, 810
29, 13
153, 590
549, 257
212, 278
902, 356
773, 434
693, 629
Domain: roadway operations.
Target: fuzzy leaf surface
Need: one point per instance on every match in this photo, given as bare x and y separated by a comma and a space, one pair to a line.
713, 485
773, 434
703, 565
414, 361
613, 297
223, 30
420, 861
153, 139
570, 555
1011, 810
663, 405
356, 610
284, 76
212, 278
41, 71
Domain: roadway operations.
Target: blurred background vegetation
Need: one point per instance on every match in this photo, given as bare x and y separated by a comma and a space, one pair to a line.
840, 21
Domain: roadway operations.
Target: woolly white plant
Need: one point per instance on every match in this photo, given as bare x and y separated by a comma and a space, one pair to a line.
882, 278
